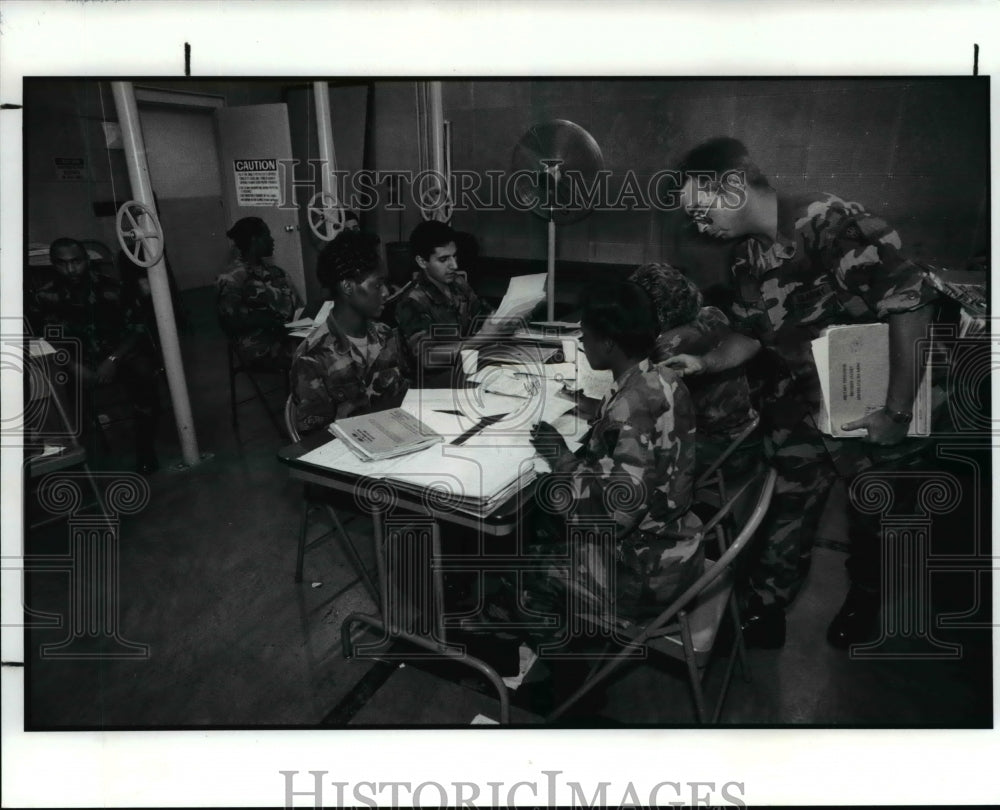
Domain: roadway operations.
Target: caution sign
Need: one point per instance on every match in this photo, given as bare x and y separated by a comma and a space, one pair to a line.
257, 182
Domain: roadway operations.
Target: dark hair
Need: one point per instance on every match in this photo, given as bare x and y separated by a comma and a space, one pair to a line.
352, 255
621, 311
721, 155
428, 236
244, 230
467, 249
65, 242
676, 299
352, 215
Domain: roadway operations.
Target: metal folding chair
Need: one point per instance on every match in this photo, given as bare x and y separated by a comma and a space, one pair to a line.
239, 365
688, 628
314, 498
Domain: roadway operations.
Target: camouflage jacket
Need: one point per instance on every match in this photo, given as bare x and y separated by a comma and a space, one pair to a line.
255, 302
330, 378
832, 263
94, 313
637, 463
721, 401
424, 307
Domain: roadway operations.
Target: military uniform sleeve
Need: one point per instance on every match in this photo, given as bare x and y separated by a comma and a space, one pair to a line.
315, 406
869, 263
617, 478
414, 323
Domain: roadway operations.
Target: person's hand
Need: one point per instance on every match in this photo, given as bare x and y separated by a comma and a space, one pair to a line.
106, 370
882, 429
686, 364
548, 442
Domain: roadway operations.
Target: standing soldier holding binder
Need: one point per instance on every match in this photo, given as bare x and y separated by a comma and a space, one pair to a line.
804, 264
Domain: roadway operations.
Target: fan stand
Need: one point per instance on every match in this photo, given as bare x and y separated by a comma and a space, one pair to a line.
553, 172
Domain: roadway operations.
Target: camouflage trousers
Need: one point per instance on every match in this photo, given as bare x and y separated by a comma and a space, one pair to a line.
808, 465
583, 573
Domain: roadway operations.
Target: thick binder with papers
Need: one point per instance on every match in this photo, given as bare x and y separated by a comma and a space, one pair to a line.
853, 366
384, 434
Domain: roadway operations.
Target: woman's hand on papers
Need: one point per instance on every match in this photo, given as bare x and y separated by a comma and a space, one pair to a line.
882, 429
548, 442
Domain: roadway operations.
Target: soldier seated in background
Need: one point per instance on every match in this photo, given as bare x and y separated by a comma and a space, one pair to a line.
350, 364
256, 300
635, 469
698, 343
115, 346
440, 299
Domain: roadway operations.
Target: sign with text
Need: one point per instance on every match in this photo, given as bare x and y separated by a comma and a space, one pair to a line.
70, 169
256, 182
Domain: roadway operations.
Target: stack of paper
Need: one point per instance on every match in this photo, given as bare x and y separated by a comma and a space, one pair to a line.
524, 293
301, 327
384, 434
469, 478
853, 366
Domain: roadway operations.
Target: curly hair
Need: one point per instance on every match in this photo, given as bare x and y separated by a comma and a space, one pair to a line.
675, 297
353, 255
623, 312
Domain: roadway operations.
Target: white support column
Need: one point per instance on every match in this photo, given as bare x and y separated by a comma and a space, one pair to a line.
324, 132
436, 114
142, 190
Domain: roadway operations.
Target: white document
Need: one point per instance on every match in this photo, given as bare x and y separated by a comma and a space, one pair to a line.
594, 384
524, 293
852, 362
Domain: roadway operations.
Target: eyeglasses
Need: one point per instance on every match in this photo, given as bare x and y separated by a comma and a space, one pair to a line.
700, 214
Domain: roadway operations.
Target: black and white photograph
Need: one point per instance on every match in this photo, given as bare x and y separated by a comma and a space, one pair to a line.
471, 409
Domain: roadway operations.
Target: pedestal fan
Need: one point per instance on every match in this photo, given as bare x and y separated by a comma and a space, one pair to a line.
551, 163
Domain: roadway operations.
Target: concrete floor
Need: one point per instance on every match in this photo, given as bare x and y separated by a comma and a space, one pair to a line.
205, 581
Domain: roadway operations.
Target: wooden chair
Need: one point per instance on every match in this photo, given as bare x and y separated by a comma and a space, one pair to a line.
688, 628
313, 498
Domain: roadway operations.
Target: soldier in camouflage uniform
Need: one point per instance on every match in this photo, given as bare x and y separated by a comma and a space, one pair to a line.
255, 300
689, 331
807, 263
350, 364
633, 475
115, 345
440, 299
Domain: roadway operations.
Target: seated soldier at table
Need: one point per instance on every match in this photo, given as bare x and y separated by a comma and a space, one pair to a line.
114, 344
698, 343
350, 364
440, 299
256, 299
635, 467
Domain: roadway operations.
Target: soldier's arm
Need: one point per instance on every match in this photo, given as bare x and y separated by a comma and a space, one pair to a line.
872, 266
315, 407
619, 482
732, 351
240, 312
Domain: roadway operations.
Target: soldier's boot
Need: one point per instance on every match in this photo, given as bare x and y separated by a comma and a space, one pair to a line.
763, 624
857, 619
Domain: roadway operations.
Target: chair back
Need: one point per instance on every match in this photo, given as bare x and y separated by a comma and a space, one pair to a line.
765, 481
291, 419
714, 472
